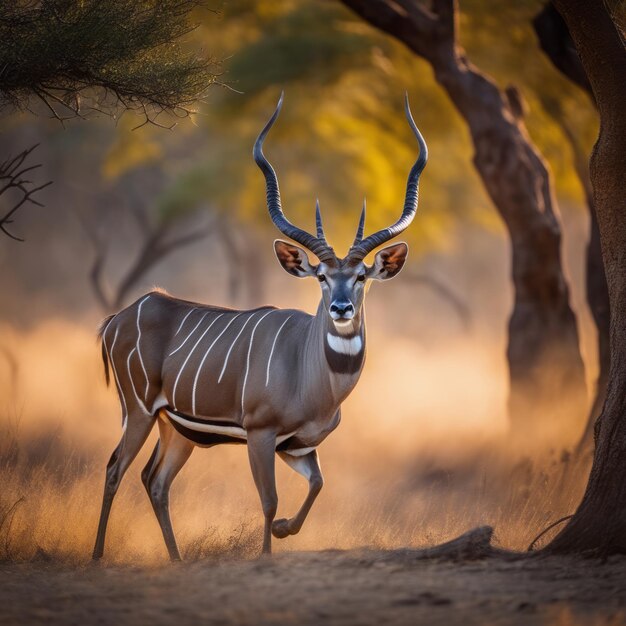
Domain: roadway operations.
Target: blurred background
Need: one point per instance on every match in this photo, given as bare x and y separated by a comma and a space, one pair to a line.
424, 449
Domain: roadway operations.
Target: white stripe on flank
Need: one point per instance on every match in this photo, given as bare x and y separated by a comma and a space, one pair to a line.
189, 335
132, 384
245, 378
117, 382
184, 320
143, 367
232, 431
219, 380
206, 330
342, 345
206, 354
269, 361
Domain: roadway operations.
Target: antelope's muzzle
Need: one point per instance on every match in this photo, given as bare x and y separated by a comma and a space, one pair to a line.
341, 310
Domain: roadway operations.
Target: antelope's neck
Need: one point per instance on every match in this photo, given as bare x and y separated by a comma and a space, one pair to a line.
340, 351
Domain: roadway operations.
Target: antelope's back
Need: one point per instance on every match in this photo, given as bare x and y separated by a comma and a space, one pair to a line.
219, 362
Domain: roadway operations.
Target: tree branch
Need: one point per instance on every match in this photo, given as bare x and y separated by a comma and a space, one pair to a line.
12, 173
408, 21
167, 247
155, 248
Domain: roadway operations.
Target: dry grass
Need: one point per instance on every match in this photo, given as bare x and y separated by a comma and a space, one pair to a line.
51, 496
403, 469
240, 543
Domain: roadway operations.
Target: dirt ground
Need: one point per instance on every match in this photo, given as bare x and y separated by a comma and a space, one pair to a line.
329, 587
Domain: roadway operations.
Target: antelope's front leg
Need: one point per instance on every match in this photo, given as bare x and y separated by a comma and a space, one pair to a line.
309, 467
261, 452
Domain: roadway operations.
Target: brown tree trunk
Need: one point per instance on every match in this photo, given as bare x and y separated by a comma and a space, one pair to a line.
547, 383
599, 524
598, 300
556, 42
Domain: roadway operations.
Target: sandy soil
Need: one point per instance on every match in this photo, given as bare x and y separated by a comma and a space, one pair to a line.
331, 587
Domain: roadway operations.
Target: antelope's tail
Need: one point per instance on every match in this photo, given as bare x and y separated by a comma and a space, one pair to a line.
105, 356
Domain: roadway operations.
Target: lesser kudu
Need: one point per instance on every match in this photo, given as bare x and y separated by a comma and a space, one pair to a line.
271, 378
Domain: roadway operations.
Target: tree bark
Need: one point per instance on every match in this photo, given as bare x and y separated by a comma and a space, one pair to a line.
557, 44
599, 523
547, 383
598, 301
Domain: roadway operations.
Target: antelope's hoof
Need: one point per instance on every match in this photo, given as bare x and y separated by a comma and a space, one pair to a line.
280, 528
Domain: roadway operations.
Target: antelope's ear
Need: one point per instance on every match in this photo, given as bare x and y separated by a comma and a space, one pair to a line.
388, 262
293, 259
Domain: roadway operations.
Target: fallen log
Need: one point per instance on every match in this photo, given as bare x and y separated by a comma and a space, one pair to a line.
473, 545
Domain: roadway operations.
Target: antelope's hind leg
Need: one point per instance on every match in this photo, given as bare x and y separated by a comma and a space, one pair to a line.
309, 467
170, 454
138, 427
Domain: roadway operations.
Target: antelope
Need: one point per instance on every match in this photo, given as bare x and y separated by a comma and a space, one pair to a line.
271, 378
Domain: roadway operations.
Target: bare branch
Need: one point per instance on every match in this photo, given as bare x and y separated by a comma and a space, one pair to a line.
45, 96
154, 243
9, 234
532, 544
148, 119
12, 178
184, 240
155, 248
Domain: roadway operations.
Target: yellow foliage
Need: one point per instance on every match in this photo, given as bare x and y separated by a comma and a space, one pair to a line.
342, 134
131, 149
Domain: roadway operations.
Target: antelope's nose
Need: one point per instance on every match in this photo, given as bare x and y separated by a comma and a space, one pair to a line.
341, 310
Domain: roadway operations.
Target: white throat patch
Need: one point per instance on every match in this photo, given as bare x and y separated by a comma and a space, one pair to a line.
343, 345
344, 327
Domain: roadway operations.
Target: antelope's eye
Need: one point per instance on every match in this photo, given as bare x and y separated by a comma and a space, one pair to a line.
361, 277
321, 278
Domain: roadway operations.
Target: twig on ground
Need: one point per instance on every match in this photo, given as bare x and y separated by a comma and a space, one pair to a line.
545, 530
